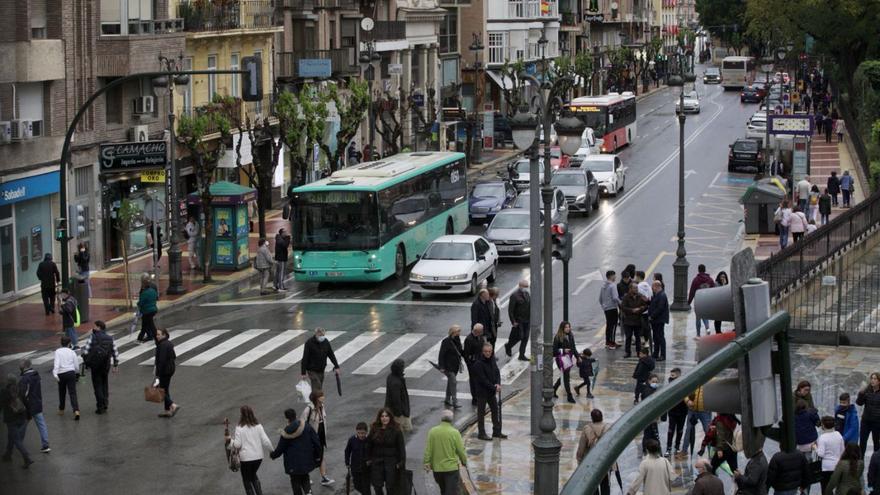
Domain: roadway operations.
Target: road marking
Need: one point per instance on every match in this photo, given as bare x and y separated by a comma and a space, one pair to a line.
351, 348
225, 347
144, 348
264, 348
401, 291
656, 262
337, 301
587, 278
416, 392
294, 356
383, 358
14, 357
688, 173
422, 365
514, 367
190, 344
50, 356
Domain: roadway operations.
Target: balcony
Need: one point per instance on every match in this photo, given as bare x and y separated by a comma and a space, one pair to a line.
570, 20
123, 55
138, 27
307, 5
337, 4
32, 61
342, 61
386, 30
245, 14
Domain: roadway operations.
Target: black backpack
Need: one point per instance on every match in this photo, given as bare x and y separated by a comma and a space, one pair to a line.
99, 352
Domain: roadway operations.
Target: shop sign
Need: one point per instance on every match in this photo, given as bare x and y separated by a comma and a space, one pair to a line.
153, 176
28, 188
315, 67
395, 69
130, 156
594, 18
797, 125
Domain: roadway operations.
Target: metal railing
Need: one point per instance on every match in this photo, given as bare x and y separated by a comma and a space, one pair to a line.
297, 4
386, 30
342, 61
244, 14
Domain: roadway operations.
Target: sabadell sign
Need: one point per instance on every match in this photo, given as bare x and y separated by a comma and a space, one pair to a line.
130, 156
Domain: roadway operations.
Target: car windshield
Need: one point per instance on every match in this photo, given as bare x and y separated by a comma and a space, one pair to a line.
756, 122
745, 146
335, 220
598, 165
449, 251
510, 222
568, 180
692, 95
522, 166
522, 201
488, 191
712, 72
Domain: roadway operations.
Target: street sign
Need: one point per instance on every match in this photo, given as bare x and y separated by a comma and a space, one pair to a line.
133, 156
395, 69
315, 67
153, 176
418, 99
598, 18
795, 125
489, 130
799, 163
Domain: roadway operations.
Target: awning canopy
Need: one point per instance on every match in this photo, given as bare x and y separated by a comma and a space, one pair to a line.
497, 77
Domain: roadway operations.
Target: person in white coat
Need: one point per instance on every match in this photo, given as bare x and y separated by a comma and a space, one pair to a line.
798, 224
250, 439
655, 473
829, 448
315, 414
782, 217
64, 369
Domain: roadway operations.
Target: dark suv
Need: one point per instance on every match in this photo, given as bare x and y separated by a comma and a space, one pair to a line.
745, 153
712, 76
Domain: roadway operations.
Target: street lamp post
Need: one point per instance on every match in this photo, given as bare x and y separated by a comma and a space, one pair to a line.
529, 131
767, 68
477, 48
681, 265
367, 61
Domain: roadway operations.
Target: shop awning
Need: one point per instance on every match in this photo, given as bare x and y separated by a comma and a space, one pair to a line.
497, 78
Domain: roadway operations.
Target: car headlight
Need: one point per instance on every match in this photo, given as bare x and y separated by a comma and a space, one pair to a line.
416, 276
580, 198
463, 276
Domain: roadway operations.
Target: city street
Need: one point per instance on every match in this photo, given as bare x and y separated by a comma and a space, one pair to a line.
243, 348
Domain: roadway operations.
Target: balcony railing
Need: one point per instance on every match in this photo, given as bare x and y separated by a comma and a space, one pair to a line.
245, 14
298, 4
386, 30
337, 4
342, 61
140, 27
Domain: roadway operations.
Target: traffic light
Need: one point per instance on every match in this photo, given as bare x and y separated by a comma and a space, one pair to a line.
78, 217
60, 229
252, 80
562, 239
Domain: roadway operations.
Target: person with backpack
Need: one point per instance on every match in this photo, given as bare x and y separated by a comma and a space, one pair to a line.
65, 370
590, 435
31, 392
15, 418
69, 316
165, 366
302, 452
98, 352
147, 307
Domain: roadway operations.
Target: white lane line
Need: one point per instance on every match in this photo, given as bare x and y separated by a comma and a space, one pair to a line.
434, 394
14, 357
147, 347
401, 291
294, 356
264, 348
383, 358
499, 346
45, 358
421, 365
226, 346
514, 367
190, 344
352, 348
338, 301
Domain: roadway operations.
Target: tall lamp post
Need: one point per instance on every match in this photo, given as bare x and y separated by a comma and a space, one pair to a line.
367, 61
767, 68
175, 270
681, 265
529, 132
477, 145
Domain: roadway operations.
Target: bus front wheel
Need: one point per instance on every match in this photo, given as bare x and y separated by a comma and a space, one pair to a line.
399, 262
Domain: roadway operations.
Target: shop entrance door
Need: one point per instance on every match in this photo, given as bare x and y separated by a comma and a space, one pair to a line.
7, 258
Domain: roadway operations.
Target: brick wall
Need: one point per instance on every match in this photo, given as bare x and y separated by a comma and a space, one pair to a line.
22, 20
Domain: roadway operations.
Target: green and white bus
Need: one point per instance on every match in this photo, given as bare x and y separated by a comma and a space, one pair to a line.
368, 222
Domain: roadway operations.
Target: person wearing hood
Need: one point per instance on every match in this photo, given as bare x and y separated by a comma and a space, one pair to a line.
396, 395
15, 417
302, 452
282, 244
47, 273
720, 279
590, 435
803, 392
702, 281
846, 419
31, 393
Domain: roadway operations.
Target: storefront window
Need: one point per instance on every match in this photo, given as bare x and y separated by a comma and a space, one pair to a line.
146, 197
33, 237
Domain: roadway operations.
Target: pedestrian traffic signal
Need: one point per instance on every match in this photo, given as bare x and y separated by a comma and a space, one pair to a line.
60, 229
562, 240
78, 217
252, 80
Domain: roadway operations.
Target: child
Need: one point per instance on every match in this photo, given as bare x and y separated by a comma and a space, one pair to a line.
651, 431
811, 226
356, 459
846, 419
586, 371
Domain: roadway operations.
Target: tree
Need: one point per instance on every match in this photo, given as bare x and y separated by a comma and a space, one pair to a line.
217, 116
265, 154
313, 106
724, 18
390, 110
126, 215
620, 59
513, 96
583, 68
352, 106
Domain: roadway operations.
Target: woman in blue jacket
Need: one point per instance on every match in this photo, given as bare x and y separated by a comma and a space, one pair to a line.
302, 452
805, 420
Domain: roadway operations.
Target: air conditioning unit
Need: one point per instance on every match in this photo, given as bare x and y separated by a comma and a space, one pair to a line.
139, 133
5, 132
144, 104
36, 128
21, 129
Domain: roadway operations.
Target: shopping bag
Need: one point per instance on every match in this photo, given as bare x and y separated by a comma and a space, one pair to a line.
565, 361
154, 394
304, 387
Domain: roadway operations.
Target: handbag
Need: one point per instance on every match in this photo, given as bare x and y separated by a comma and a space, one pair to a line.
233, 458
565, 361
154, 394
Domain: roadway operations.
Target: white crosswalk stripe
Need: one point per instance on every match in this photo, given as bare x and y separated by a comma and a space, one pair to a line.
224, 347
50, 356
514, 367
294, 356
145, 348
264, 348
191, 344
351, 348
423, 363
383, 358
14, 357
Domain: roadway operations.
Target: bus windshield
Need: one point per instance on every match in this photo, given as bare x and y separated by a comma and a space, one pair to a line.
335, 220
595, 120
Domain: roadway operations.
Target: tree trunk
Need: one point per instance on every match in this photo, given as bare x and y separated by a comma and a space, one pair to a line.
206, 246
261, 207
125, 267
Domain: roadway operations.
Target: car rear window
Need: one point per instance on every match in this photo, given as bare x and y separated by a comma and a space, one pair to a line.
745, 146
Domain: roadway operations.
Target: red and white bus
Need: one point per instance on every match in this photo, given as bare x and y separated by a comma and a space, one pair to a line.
612, 118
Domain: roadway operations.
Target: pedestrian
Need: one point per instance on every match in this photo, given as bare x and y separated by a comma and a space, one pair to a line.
483, 312
98, 352
81, 258
148, 307
829, 448
191, 231
658, 314
609, 300
315, 414
302, 452
316, 351
721, 438
165, 365
824, 206
788, 473
444, 454
753, 481
652, 431
282, 243
156, 246
65, 369
833, 185
625, 279
397, 396
487, 387
874, 473
782, 218
807, 102
803, 391
659, 278
655, 473
31, 392
814, 203
870, 398
847, 186
566, 356
846, 419
47, 273
840, 128
701, 281
803, 193
798, 224
519, 311
696, 415
805, 420
828, 126
720, 280
496, 312
263, 263
386, 453
15, 418
677, 416
645, 292
449, 361
68, 309
589, 436
356, 459
250, 439
632, 307
847, 476
585, 370
706, 482
473, 348
642, 373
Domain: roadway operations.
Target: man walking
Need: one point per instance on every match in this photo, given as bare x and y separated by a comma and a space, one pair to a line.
316, 351
482, 312
31, 393
788, 472
803, 193
282, 243
444, 453
64, 369
397, 396
449, 361
833, 185
49, 277
519, 310
609, 300
642, 372
487, 386
655, 473
702, 281
97, 354
632, 307
263, 263
658, 314
192, 236
68, 316
473, 347
846, 187
754, 480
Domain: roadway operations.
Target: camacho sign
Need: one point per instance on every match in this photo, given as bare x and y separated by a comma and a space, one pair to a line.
132, 156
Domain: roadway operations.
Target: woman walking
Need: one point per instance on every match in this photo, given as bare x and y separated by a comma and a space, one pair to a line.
148, 308
798, 224
870, 398
386, 454
250, 439
805, 420
315, 414
847, 476
824, 206
720, 279
566, 357
165, 366
814, 203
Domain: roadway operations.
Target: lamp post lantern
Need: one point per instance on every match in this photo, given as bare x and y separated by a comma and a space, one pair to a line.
367, 62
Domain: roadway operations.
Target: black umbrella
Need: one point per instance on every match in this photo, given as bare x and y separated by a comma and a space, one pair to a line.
338, 384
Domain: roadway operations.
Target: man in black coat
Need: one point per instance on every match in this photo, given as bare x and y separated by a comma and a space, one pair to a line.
473, 346
165, 366
642, 372
282, 244
519, 310
449, 361
49, 277
98, 352
482, 312
658, 315
316, 351
486, 379
31, 394
397, 396
787, 472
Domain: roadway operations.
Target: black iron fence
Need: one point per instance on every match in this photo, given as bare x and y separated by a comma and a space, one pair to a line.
244, 14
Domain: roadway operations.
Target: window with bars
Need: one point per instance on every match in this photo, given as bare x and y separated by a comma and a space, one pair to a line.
82, 178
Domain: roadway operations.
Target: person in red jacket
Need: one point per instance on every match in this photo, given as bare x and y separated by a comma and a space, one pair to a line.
702, 281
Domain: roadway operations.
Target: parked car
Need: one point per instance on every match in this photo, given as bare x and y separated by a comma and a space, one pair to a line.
745, 152
454, 264
580, 188
756, 127
608, 170
751, 94
488, 198
509, 232
691, 103
558, 160
519, 173
712, 76
558, 206
501, 129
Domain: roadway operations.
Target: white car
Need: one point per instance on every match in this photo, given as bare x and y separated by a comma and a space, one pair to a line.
691, 102
454, 264
590, 145
756, 128
608, 171
520, 175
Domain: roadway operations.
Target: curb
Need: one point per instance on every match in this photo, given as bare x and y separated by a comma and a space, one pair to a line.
471, 419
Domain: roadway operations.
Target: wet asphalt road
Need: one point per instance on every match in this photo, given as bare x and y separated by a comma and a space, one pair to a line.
132, 451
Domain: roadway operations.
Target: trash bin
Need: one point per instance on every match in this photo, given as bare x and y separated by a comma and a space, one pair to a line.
760, 202
79, 289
